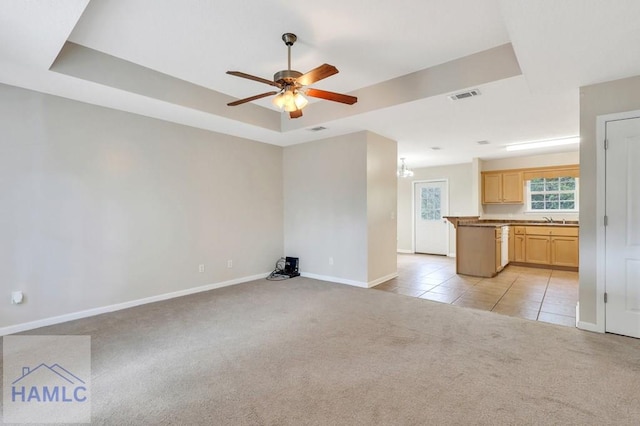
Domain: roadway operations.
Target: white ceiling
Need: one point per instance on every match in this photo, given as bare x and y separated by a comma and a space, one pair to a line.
560, 46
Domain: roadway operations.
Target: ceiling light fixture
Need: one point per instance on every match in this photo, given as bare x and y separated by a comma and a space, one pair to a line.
543, 143
404, 171
290, 100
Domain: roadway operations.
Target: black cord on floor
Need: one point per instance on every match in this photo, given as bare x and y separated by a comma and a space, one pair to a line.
278, 273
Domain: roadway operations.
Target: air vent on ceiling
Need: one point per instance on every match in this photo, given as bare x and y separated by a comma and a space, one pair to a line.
436, 148
483, 142
463, 95
317, 129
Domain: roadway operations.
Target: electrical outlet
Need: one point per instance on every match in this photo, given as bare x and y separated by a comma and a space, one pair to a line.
331, 261
229, 263
16, 297
201, 268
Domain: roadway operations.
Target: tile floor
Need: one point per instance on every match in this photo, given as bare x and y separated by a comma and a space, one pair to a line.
536, 294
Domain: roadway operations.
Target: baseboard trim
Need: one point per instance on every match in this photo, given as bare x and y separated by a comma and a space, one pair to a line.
124, 305
451, 255
404, 251
589, 326
545, 266
335, 279
382, 279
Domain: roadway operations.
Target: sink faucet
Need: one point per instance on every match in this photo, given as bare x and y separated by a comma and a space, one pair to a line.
548, 219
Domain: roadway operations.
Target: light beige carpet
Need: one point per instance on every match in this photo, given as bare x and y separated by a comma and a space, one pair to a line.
309, 352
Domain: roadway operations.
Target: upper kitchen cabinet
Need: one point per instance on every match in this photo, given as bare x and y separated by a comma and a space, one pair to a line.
502, 187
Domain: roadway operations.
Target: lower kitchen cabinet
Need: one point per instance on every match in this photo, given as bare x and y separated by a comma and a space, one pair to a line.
538, 249
547, 245
519, 244
481, 251
564, 251
498, 256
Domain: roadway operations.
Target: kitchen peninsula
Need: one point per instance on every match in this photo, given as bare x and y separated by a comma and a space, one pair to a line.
484, 248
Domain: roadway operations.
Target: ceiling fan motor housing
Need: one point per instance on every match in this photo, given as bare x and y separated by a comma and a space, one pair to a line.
286, 76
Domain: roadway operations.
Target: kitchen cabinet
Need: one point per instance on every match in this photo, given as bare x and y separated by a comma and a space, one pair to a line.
547, 245
538, 249
519, 244
502, 187
482, 250
564, 251
511, 244
498, 249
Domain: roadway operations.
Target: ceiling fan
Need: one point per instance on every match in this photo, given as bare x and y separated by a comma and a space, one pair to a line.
292, 85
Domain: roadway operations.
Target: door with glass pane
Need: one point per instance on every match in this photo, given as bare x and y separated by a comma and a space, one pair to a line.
431, 229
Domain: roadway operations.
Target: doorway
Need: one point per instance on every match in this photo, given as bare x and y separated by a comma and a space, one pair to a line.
622, 228
430, 205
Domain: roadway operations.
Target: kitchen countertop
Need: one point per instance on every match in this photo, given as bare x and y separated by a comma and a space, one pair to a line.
484, 225
476, 221
498, 224
573, 225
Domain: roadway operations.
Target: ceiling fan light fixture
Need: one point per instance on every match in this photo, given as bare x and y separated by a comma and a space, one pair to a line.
290, 100
300, 100
278, 100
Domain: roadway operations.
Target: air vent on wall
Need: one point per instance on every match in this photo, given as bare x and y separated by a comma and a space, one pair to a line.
463, 95
317, 129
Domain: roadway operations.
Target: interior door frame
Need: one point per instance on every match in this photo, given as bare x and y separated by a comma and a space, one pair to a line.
601, 186
413, 212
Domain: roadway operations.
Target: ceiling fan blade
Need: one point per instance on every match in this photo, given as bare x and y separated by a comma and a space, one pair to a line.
331, 96
252, 98
317, 74
296, 114
254, 78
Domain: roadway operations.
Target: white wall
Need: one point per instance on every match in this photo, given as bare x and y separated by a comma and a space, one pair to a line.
461, 199
325, 208
599, 99
100, 207
518, 211
338, 204
382, 201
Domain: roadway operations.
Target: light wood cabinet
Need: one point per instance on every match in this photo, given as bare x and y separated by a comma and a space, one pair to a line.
564, 251
507, 186
485, 250
492, 188
479, 250
502, 187
538, 249
519, 244
511, 244
498, 257
512, 187
546, 245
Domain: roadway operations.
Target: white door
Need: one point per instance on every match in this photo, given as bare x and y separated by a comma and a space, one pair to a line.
622, 233
431, 229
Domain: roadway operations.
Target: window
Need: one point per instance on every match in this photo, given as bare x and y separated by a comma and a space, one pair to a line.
552, 194
430, 204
